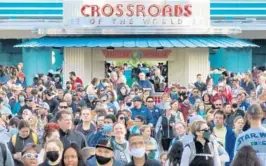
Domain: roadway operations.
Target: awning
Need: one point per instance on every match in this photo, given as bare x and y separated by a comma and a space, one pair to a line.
139, 42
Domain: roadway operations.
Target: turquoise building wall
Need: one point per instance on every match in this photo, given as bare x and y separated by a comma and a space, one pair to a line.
233, 59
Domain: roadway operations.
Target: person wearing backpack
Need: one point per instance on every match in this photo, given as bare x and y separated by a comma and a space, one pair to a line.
20, 140
201, 151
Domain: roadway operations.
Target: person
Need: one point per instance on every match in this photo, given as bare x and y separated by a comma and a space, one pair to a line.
29, 155
137, 151
87, 127
175, 154
6, 157
180, 132
247, 84
20, 103
144, 83
238, 125
104, 154
176, 112
255, 135
155, 111
50, 132
21, 80
201, 151
53, 153
140, 110
246, 156
4, 110
72, 156
120, 144
74, 80
20, 140
4, 135
67, 135
163, 158
200, 84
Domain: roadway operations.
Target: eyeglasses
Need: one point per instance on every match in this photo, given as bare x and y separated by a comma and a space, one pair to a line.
65, 107
150, 101
30, 156
218, 104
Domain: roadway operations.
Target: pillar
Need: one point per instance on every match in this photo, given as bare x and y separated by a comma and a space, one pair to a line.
36, 60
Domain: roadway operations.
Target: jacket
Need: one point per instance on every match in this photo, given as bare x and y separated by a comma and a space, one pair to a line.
230, 140
9, 160
92, 162
144, 112
72, 136
4, 135
148, 162
156, 113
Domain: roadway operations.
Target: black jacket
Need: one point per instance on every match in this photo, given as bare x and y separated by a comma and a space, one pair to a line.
72, 136
148, 162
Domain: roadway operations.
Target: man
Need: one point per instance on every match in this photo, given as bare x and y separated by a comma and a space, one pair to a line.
247, 84
155, 111
144, 83
137, 150
70, 103
67, 135
256, 135
60, 95
30, 155
74, 80
194, 96
104, 154
29, 105
86, 127
200, 84
224, 133
218, 104
242, 100
138, 109
51, 100
229, 115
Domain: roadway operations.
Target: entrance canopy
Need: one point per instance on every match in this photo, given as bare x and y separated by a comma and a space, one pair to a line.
140, 42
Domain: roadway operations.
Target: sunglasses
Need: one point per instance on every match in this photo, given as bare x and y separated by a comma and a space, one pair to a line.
218, 104
30, 156
121, 118
65, 107
149, 101
205, 130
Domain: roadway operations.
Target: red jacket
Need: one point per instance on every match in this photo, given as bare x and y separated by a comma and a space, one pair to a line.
74, 83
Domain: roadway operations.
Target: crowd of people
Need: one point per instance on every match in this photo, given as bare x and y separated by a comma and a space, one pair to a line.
108, 123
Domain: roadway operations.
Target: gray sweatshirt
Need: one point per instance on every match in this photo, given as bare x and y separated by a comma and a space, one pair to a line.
255, 137
9, 160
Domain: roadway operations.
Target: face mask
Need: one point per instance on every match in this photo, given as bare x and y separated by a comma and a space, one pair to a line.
21, 98
206, 134
52, 155
201, 107
91, 97
14, 131
129, 104
102, 160
137, 152
123, 91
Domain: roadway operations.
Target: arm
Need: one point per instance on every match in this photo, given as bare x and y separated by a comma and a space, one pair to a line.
217, 161
185, 157
158, 125
9, 159
182, 117
149, 118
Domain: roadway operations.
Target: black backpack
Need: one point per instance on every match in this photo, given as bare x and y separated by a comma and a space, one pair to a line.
3, 149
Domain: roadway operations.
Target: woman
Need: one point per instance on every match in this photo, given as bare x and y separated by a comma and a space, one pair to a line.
20, 103
20, 140
53, 153
120, 144
111, 100
246, 156
164, 99
180, 132
206, 98
50, 132
122, 92
175, 154
201, 151
165, 127
152, 149
201, 110
72, 156
175, 111
121, 118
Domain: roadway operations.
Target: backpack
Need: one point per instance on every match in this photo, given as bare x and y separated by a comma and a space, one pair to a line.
194, 154
33, 135
3, 149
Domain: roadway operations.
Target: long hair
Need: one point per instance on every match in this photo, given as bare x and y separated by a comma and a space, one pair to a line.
246, 156
78, 151
175, 154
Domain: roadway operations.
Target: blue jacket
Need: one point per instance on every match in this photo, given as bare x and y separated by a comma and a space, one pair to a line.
92, 162
156, 113
230, 139
244, 105
144, 112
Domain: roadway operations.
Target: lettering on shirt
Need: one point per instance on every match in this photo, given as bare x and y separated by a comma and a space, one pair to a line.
249, 136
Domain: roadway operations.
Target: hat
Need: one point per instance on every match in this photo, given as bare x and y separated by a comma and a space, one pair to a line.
136, 98
21, 75
45, 105
30, 146
104, 143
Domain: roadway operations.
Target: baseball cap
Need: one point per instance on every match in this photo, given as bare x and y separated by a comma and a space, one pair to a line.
104, 143
45, 105
136, 98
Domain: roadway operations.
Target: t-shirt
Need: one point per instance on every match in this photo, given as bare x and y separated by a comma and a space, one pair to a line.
220, 133
255, 137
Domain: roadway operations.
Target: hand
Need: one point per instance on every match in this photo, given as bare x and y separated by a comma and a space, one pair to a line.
17, 156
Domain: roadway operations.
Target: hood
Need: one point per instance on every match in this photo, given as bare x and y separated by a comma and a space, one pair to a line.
2, 129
